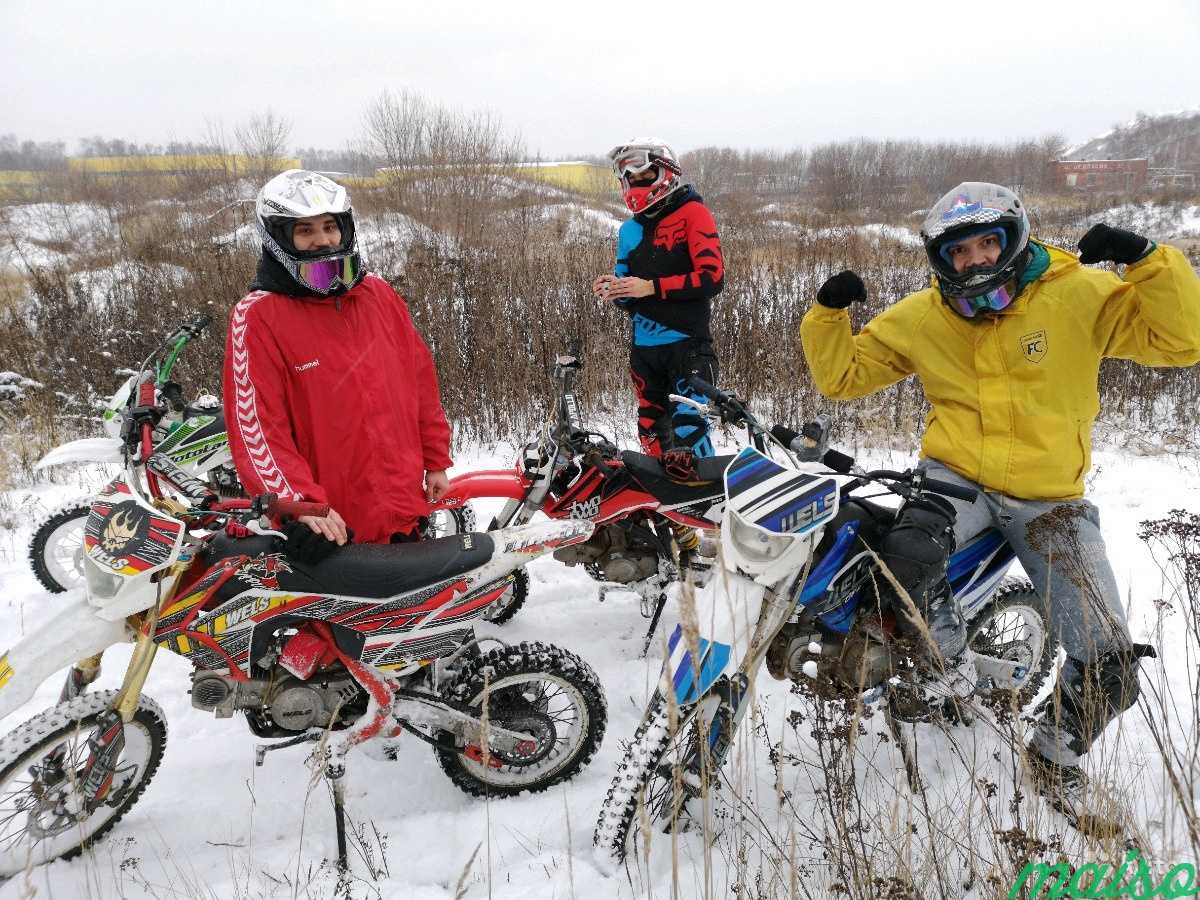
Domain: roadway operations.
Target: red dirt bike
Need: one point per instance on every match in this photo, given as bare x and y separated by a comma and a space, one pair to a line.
373, 642
569, 472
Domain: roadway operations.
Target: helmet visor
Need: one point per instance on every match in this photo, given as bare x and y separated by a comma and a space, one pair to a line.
324, 275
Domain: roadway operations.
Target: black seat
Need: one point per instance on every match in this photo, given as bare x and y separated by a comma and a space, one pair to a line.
384, 570
372, 571
708, 468
648, 472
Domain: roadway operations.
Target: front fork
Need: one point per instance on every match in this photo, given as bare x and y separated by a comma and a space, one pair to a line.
107, 739
733, 691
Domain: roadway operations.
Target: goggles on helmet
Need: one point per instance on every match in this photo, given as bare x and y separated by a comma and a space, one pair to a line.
637, 160
326, 275
992, 301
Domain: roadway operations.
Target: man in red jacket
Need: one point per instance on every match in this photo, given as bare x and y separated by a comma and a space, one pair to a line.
330, 393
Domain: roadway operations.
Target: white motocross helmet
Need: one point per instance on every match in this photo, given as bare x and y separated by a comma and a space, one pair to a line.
298, 194
639, 155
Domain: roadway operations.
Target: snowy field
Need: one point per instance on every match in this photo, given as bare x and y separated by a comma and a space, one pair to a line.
212, 825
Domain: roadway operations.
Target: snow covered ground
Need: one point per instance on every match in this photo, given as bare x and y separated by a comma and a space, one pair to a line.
212, 825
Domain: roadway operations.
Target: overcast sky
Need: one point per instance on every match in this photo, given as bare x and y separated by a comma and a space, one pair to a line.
576, 78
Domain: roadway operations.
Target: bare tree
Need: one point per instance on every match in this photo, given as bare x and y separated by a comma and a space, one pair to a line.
263, 140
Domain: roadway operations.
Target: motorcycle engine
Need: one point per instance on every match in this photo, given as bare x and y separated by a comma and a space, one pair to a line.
286, 701
612, 554
831, 665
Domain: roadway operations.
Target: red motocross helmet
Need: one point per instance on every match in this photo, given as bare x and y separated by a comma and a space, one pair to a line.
641, 155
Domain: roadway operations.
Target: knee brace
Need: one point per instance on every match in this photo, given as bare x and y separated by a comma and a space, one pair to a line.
1090, 695
916, 550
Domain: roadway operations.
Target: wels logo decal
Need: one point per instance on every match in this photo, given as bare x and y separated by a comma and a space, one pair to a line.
264, 572
1034, 345
236, 617
585, 509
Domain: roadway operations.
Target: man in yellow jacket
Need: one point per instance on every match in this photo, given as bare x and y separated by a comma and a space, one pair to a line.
1007, 344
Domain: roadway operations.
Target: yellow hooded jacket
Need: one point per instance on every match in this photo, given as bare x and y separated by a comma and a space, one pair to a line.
1014, 394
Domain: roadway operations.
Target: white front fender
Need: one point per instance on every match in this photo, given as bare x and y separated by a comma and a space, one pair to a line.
84, 450
73, 633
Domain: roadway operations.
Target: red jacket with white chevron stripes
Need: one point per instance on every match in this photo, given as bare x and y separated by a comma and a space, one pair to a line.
336, 400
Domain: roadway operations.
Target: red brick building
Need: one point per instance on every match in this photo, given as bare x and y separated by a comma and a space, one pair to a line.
1110, 175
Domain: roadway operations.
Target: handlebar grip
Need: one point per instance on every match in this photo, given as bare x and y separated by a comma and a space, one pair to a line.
708, 390
839, 462
296, 508
957, 491
146, 393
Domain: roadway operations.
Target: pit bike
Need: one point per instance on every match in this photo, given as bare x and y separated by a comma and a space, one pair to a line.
797, 593
374, 642
191, 433
570, 473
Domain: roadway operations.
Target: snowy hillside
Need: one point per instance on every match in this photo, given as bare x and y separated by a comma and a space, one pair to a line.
1171, 139
211, 825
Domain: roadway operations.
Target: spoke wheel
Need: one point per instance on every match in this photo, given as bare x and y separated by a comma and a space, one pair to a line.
56, 548
656, 784
536, 689
42, 814
1012, 628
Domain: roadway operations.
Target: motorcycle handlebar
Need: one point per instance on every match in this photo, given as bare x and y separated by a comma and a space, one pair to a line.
930, 485
276, 508
957, 491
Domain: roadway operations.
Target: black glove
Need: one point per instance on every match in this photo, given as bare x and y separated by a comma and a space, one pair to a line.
841, 290
680, 464
1103, 243
307, 546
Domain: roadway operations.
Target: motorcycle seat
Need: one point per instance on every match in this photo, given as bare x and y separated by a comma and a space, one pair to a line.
708, 468
370, 571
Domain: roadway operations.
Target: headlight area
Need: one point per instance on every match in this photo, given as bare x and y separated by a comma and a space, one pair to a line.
101, 583
754, 547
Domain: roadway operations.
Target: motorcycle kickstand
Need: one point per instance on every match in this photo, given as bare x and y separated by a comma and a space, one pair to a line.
906, 754
335, 772
658, 609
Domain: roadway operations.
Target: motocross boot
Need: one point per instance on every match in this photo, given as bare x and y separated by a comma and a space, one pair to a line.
1090, 807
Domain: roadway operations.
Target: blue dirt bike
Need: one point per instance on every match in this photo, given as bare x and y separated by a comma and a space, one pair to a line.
799, 591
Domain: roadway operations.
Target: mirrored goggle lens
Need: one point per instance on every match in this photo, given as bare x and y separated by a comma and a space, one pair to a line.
325, 274
993, 300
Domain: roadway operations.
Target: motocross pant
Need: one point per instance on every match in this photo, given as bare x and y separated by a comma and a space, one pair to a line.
658, 372
1060, 546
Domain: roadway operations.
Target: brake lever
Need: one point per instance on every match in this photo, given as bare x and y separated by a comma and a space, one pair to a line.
705, 408
254, 526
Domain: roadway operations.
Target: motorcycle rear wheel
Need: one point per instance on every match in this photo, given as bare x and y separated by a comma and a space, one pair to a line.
1013, 627
36, 825
535, 688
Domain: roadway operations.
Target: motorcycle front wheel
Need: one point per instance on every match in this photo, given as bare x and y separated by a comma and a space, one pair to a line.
56, 548
41, 764
658, 781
